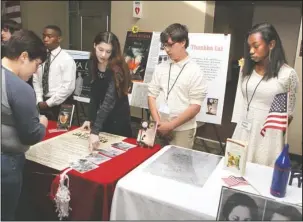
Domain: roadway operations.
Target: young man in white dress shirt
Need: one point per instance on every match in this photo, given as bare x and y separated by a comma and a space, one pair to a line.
55, 80
180, 87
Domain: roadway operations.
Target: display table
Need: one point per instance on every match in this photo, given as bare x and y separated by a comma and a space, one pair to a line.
91, 192
159, 191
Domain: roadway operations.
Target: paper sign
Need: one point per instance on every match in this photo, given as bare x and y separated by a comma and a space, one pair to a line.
137, 9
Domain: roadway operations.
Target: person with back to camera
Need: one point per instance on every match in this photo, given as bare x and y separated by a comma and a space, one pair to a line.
182, 85
265, 74
21, 125
109, 109
239, 207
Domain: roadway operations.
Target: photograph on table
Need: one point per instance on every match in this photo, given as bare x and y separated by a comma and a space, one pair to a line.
123, 145
97, 158
184, 165
110, 151
236, 205
136, 50
212, 105
275, 211
83, 165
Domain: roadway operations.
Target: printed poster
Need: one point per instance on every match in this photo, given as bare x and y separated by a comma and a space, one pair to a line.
82, 88
136, 50
211, 53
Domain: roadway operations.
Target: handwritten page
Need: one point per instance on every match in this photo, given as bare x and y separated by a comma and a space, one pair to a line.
60, 151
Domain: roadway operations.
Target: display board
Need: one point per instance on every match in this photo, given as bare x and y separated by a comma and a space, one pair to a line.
211, 53
82, 88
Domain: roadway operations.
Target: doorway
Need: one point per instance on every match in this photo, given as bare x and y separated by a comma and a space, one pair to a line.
86, 19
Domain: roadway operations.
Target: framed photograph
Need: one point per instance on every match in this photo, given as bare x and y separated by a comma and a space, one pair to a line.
236, 205
276, 211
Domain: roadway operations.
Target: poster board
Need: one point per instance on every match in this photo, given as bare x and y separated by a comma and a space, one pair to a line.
82, 88
211, 53
136, 53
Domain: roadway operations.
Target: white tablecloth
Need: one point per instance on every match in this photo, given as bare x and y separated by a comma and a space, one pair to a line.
183, 184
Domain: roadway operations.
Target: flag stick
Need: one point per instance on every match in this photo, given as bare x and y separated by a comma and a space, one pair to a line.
286, 131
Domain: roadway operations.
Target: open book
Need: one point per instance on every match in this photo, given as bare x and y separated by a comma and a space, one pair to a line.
235, 156
65, 117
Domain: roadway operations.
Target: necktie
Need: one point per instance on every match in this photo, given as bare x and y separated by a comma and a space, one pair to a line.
45, 74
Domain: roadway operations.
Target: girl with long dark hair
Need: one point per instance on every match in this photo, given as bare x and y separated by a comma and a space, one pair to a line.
264, 75
109, 109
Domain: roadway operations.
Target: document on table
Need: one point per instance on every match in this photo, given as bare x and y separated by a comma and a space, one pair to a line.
60, 151
184, 165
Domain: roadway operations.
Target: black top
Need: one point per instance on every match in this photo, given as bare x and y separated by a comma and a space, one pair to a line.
108, 112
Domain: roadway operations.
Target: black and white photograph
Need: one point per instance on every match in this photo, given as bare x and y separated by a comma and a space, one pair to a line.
236, 205
110, 151
83, 165
212, 105
136, 52
97, 158
277, 211
123, 145
83, 81
163, 58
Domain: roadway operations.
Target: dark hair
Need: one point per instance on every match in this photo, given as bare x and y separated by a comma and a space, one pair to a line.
10, 25
289, 211
116, 62
25, 41
55, 28
277, 55
177, 33
239, 199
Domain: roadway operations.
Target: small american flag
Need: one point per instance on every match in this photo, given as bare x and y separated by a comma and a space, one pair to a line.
235, 181
277, 117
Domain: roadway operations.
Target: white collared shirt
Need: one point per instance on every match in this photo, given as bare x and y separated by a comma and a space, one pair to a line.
190, 88
62, 78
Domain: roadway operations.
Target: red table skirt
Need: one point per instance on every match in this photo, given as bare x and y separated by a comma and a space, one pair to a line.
91, 192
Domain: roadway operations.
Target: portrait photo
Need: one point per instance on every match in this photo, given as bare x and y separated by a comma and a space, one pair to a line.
236, 205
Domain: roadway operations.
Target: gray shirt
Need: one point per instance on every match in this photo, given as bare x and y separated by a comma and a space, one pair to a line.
20, 124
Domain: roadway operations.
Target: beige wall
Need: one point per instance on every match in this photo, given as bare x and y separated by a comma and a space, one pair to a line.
37, 14
295, 129
157, 15
286, 20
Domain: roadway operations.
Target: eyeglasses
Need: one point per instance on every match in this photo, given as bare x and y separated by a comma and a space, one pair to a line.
168, 45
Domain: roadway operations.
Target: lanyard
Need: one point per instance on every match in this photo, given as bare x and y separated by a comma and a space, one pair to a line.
51, 60
169, 90
248, 102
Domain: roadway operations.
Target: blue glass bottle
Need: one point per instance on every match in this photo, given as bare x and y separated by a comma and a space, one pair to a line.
281, 173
